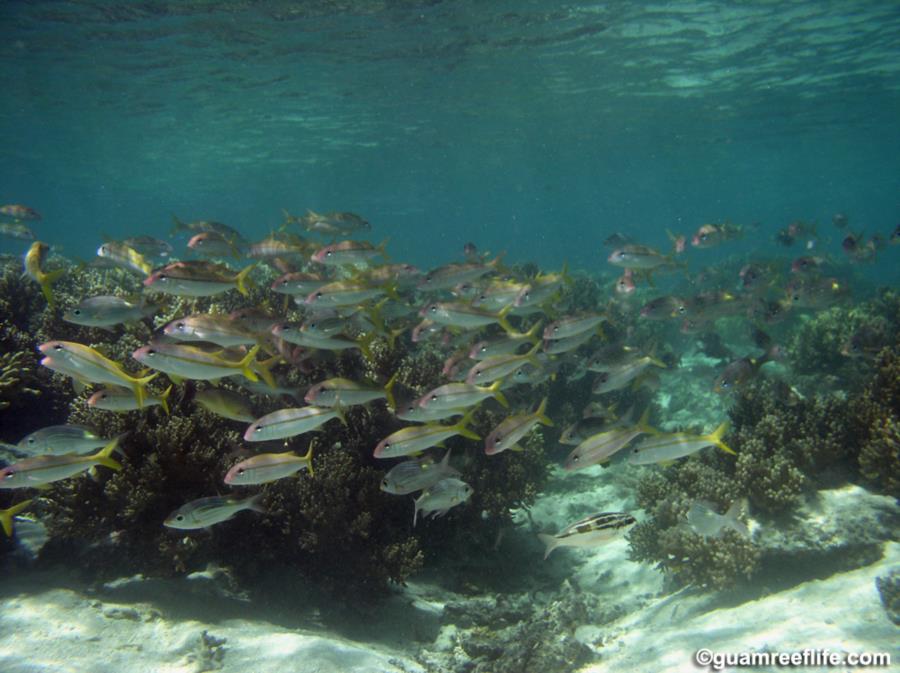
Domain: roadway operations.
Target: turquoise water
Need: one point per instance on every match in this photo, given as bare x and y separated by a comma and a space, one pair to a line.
531, 127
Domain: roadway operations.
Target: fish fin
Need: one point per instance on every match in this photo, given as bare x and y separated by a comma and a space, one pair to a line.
643, 423
308, 459
716, 438
79, 386
550, 543
177, 226
264, 369
389, 390
47, 280
445, 461
531, 334
462, 428
504, 323
500, 397
656, 361
415, 511
252, 503
103, 456
541, 414
174, 378
139, 386
245, 363
241, 277
339, 412
516, 447
6, 516
732, 517
364, 343
164, 399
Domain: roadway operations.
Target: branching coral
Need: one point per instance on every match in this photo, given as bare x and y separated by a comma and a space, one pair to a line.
16, 378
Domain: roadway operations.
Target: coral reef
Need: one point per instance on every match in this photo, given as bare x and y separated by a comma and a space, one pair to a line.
889, 592
16, 377
514, 634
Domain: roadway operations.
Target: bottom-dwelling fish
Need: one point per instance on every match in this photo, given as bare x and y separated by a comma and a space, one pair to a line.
440, 498
589, 532
205, 512
703, 519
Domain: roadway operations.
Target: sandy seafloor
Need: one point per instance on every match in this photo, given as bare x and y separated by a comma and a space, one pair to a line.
53, 621
49, 622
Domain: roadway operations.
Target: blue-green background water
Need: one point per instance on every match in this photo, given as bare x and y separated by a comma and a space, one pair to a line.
533, 127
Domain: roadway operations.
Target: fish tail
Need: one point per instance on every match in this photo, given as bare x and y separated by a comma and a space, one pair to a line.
46, 280
253, 503
564, 274
389, 390
497, 395
178, 225
550, 543
541, 413
104, 455
415, 512
164, 399
264, 369
242, 277
339, 412
364, 343
6, 516
139, 387
716, 438
462, 426
643, 423
531, 334
308, 459
656, 361
245, 364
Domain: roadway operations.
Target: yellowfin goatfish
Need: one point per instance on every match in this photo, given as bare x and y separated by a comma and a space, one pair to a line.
212, 244
19, 212
589, 532
345, 293
640, 257
41, 470
441, 498
663, 447
417, 438
6, 515
268, 467
34, 262
512, 429
125, 257
207, 225
466, 316
190, 362
299, 283
205, 512
197, 279
572, 326
348, 252
349, 393
602, 446
445, 277
461, 396
617, 376
221, 330
507, 345
496, 367
16, 230
106, 311
416, 475
122, 399
60, 439
86, 365
286, 423
225, 403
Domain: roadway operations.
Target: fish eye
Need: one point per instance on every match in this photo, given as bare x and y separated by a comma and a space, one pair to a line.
77, 311
498, 438
162, 276
433, 308
703, 237
387, 445
103, 396
384, 482
58, 347
240, 470
150, 351
434, 397
623, 255
329, 253
681, 309
179, 325
180, 517
9, 473
318, 295
258, 428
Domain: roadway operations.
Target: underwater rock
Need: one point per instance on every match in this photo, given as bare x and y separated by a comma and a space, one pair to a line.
517, 633
889, 591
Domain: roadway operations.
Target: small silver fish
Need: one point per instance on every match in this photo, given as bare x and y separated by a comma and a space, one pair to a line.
440, 498
106, 311
703, 519
266, 467
205, 512
416, 475
58, 440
